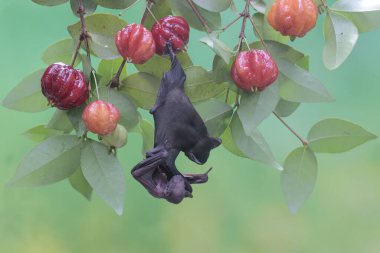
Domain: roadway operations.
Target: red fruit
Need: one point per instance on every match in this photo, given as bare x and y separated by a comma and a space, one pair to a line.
101, 117
254, 69
64, 87
293, 17
135, 43
172, 29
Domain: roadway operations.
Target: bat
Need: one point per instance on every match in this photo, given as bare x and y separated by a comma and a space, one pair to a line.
178, 128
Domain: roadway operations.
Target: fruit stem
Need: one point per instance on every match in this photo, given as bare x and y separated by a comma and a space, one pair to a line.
303, 141
227, 93
258, 33
96, 83
199, 16
115, 82
237, 98
232, 22
245, 14
149, 4
76, 51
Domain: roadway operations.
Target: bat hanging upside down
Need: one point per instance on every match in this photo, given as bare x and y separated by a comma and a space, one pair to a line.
178, 127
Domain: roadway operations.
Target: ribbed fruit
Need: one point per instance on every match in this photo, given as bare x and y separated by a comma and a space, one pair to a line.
101, 117
254, 69
174, 29
293, 17
117, 139
135, 43
64, 87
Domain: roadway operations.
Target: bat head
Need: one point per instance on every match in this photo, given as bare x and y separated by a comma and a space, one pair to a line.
175, 190
201, 151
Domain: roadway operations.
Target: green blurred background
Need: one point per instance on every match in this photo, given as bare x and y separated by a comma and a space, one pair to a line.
241, 208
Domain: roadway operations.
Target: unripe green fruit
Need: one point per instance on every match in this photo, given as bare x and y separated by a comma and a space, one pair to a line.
117, 139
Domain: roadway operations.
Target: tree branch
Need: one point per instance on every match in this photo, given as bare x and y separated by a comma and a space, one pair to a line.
245, 14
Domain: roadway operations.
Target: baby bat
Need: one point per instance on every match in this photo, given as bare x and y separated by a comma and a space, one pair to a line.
178, 127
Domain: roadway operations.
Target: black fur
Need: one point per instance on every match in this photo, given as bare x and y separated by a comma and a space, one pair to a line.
178, 127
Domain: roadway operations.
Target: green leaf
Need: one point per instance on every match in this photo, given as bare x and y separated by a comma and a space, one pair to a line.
258, 5
157, 65
254, 145
147, 132
80, 184
60, 51
200, 84
75, 117
160, 9
218, 46
364, 14
102, 29
108, 68
214, 5
304, 88
340, 38
50, 2
222, 71
129, 116
89, 6
298, 177
104, 173
336, 136
286, 108
40, 133
50, 161
280, 51
116, 4
182, 8
216, 116
142, 88
229, 144
60, 121
27, 95
256, 107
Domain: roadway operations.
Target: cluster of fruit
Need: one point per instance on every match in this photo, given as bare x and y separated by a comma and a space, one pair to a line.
256, 69
66, 87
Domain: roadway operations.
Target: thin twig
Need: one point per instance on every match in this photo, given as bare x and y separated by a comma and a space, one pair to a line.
303, 141
96, 83
237, 98
123, 11
148, 6
199, 16
84, 36
115, 82
245, 15
258, 33
76, 51
232, 22
152, 14
227, 93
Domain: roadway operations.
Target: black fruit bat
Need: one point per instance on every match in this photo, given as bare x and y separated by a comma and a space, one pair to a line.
178, 127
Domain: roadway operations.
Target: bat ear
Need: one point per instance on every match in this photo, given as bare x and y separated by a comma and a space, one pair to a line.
215, 142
